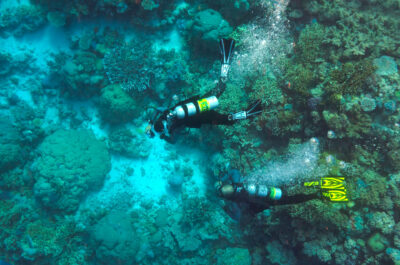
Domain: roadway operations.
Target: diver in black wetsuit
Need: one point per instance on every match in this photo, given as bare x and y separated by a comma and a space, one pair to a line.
199, 110
253, 198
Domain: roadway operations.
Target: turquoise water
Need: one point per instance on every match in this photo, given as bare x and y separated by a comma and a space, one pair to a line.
82, 183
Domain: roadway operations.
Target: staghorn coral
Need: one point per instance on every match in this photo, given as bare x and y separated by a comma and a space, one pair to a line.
130, 65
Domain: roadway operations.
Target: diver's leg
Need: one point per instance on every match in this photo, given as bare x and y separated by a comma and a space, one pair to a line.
298, 198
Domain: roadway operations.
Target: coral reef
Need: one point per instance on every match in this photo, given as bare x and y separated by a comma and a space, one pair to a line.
81, 184
70, 164
20, 20
10, 145
208, 27
130, 65
116, 106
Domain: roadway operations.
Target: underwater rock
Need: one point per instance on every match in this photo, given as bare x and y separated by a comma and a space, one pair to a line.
377, 243
235, 11
81, 76
382, 221
396, 238
116, 105
56, 18
115, 239
85, 41
175, 181
70, 164
47, 238
385, 65
230, 256
21, 20
10, 145
277, 254
148, 4
296, 14
390, 106
394, 255
127, 143
209, 26
368, 104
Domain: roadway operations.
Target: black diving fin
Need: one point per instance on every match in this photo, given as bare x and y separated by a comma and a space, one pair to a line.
226, 46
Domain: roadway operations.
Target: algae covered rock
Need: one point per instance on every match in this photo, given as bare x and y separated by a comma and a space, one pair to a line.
209, 26
233, 256
70, 164
116, 105
10, 146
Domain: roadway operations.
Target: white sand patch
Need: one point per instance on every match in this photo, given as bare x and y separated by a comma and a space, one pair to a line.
171, 41
148, 184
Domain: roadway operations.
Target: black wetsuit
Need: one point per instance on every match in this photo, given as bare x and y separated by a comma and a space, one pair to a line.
258, 204
195, 121
254, 204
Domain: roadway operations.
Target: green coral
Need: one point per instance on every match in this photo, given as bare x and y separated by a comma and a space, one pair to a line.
370, 194
352, 123
324, 212
47, 238
310, 46
116, 105
377, 243
350, 78
299, 80
70, 164
356, 29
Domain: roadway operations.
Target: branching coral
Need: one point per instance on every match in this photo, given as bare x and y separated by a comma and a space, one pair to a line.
130, 65
358, 29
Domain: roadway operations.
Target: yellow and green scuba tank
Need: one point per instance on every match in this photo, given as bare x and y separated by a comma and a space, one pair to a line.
332, 188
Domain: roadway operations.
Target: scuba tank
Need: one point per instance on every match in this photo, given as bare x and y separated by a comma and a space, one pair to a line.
262, 192
195, 107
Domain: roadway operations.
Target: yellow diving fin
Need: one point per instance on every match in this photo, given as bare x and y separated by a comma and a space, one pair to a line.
332, 188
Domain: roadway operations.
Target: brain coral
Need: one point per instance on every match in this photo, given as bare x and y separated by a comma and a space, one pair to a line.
70, 164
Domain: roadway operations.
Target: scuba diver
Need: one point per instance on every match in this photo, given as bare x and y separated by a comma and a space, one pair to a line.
200, 110
253, 198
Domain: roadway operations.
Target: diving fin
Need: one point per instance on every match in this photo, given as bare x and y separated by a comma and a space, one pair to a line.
335, 195
254, 108
226, 46
332, 188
